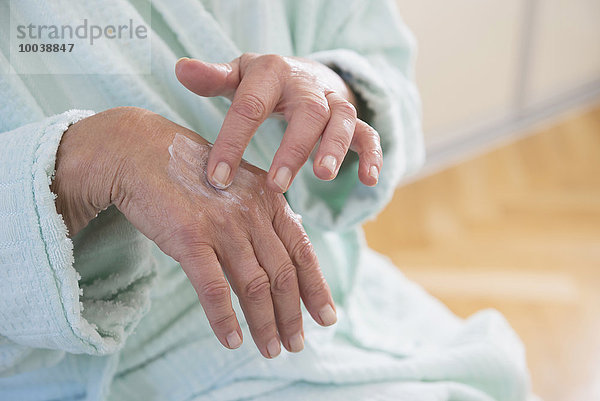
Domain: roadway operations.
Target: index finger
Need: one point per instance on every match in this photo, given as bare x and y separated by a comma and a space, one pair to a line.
256, 97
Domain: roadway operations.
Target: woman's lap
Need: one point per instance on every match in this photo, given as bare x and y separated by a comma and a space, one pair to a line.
392, 341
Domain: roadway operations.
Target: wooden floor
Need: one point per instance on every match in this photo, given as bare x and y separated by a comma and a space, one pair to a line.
516, 229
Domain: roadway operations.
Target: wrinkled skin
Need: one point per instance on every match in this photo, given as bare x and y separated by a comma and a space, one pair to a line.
154, 171
317, 104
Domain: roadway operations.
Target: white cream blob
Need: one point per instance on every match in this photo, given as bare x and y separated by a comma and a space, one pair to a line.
187, 166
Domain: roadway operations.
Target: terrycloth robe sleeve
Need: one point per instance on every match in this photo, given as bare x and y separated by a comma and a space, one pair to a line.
370, 47
50, 296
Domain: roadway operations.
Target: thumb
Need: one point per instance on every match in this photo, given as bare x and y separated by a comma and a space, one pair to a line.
208, 79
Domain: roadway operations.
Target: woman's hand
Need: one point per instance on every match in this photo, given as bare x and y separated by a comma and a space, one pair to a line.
313, 99
154, 171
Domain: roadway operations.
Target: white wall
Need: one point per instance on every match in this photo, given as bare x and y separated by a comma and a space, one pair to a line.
566, 48
489, 68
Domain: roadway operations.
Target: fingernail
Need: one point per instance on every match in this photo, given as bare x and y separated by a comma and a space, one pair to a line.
273, 348
177, 67
283, 177
327, 315
329, 162
221, 175
296, 342
234, 340
373, 172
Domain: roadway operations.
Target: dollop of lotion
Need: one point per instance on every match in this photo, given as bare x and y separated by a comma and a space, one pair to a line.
187, 166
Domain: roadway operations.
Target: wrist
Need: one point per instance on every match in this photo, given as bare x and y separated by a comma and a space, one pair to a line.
87, 169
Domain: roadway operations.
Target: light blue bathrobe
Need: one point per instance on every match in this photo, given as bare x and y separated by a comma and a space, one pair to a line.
107, 316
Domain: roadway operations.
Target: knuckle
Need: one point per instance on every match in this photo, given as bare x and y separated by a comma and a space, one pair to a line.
231, 148
318, 110
371, 134
275, 203
247, 58
285, 280
298, 151
372, 153
250, 107
347, 109
275, 198
315, 289
272, 61
257, 289
222, 322
339, 143
304, 254
264, 330
292, 321
368, 138
215, 291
